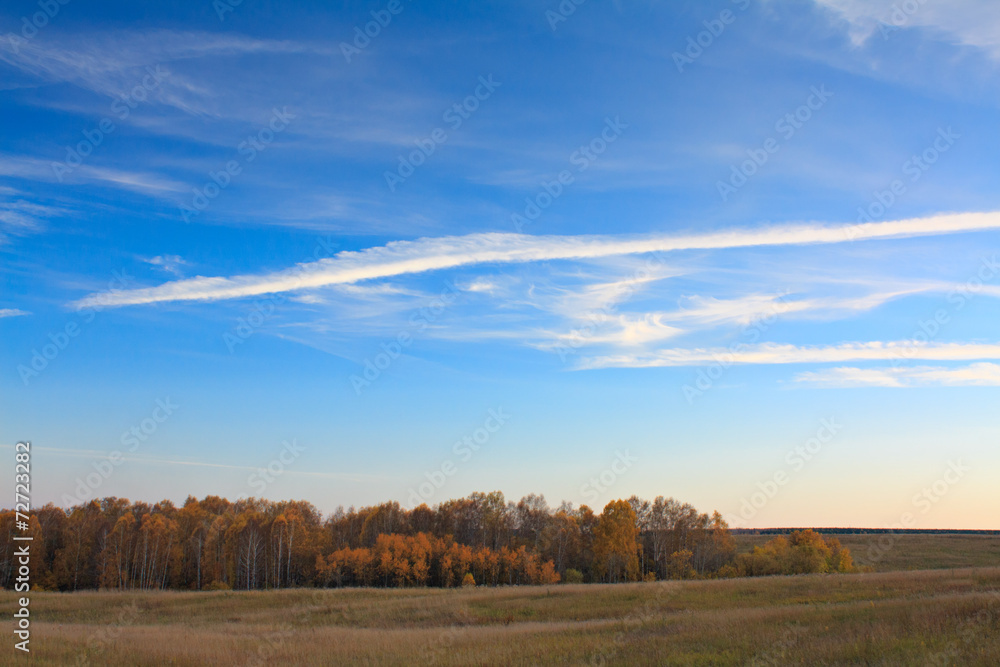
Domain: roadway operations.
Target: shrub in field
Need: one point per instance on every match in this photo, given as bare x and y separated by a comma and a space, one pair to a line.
802, 552
679, 566
468, 581
728, 571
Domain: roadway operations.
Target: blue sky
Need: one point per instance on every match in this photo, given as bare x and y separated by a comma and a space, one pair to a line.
740, 253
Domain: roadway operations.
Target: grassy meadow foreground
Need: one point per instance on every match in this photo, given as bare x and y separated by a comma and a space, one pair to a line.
884, 618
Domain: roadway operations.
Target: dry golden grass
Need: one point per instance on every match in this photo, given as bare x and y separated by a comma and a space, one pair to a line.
899, 618
920, 551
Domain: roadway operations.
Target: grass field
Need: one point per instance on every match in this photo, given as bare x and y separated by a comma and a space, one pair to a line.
925, 551
898, 618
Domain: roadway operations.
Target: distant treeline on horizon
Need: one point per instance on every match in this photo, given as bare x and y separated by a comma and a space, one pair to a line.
867, 531
251, 544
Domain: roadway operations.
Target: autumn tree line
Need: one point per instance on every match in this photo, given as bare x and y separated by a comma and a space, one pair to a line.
252, 544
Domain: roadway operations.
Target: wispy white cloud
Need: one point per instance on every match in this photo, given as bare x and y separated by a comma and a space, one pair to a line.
169, 263
35, 169
600, 297
698, 313
12, 312
973, 23
624, 330
19, 217
975, 375
708, 311
745, 310
365, 309
481, 284
431, 254
200, 96
775, 353
107, 62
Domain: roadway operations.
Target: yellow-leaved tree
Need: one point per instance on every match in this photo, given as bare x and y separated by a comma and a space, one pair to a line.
616, 550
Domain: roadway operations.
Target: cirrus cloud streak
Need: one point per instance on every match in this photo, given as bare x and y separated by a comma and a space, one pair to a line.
775, 353
981, 374
431, 254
